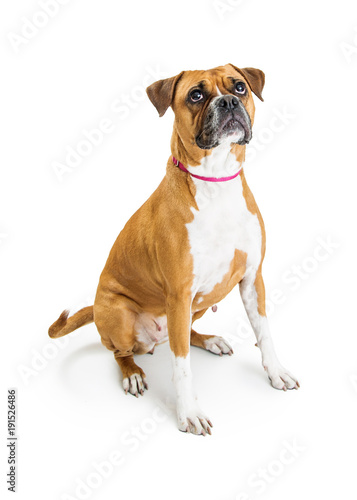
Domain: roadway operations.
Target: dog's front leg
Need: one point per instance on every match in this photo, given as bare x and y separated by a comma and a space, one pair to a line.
253, 295
190, 417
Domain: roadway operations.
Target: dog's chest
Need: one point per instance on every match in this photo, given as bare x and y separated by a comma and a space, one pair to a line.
221, 225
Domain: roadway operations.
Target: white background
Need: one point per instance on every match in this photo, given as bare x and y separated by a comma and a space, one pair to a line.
56, 233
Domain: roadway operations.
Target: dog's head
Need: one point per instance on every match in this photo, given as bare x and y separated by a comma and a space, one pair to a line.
210, 106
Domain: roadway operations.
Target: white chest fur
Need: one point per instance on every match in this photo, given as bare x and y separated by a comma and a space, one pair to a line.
221, 224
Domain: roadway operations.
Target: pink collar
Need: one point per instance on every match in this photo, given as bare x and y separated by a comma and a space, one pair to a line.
209, 179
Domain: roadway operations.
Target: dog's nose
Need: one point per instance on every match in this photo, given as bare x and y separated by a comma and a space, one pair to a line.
228, 102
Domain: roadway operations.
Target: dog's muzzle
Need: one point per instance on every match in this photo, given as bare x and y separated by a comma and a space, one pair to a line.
226, 117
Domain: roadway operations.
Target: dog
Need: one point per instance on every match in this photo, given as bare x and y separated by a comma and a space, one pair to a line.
188, 245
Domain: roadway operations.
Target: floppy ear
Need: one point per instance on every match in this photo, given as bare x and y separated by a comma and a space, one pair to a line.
255, 79
161, 93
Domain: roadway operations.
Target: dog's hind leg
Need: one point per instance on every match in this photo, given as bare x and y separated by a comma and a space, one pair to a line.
133, 376
211, 343
115, 322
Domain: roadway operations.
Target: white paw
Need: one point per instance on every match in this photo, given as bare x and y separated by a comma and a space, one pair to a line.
218, 345
281, 378
135, 384
194, 421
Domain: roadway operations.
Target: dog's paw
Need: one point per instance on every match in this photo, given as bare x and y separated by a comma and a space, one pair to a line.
135, 384
218, 345
194, 422
280, 378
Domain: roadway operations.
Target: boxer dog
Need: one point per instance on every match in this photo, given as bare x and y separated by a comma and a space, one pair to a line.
197, 236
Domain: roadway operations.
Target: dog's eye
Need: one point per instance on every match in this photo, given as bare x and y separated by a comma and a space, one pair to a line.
240, 88
196, 95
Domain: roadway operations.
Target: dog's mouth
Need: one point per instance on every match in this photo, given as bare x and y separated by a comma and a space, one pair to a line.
235, 124
232, 125
219, 126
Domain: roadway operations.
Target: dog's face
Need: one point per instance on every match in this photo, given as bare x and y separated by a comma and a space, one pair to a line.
210, 106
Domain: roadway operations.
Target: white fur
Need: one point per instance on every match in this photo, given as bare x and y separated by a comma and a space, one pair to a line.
134, 384
221, 225
218, 345
280, 378
190, 417
222, 222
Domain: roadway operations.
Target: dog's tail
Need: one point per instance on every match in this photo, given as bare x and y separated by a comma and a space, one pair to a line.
65, 325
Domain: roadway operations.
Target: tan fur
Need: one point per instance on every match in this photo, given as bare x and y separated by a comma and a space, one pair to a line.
198, 340
253, 208
150, 267
64, 325
128, 366
229, 281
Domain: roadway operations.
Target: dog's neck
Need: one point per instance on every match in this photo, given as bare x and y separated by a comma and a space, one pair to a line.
222, 161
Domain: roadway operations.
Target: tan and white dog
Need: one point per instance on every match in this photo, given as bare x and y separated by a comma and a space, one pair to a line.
188, 245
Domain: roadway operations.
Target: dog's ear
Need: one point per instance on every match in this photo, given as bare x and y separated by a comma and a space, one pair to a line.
161, 93
255, 78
